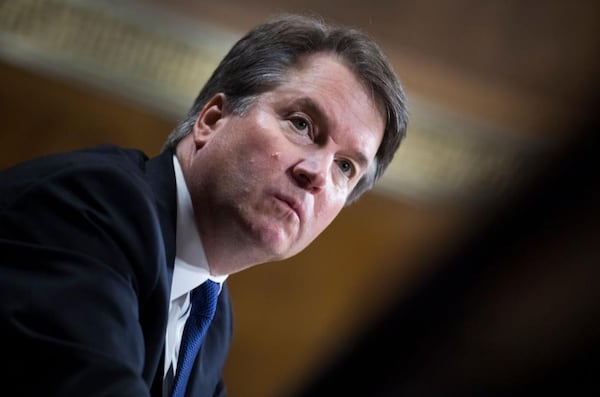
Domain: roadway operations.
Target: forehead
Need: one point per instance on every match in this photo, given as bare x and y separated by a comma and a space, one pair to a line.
328, 73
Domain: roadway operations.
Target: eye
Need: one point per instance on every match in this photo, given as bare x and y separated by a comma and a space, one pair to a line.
346, 167
302, 125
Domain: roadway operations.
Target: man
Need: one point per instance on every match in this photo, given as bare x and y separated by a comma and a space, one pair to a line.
102, 251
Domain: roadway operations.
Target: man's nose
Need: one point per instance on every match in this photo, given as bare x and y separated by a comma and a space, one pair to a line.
311, 172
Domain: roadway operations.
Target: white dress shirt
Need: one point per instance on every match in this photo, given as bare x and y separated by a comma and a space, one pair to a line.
191, 269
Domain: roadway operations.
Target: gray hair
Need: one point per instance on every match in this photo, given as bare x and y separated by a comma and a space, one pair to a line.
259, 61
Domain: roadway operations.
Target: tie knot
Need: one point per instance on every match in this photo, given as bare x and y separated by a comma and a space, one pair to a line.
204, 299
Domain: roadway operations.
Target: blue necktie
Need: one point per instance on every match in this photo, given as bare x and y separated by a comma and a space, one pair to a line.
203, 304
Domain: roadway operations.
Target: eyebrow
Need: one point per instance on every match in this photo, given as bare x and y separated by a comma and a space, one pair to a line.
315, 109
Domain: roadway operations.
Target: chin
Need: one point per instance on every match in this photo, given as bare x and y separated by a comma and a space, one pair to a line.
275, 243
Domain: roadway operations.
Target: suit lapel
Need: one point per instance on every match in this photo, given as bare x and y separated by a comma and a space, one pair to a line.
161, 177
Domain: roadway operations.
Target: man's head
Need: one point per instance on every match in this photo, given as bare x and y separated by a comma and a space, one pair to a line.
297, 121
260, 60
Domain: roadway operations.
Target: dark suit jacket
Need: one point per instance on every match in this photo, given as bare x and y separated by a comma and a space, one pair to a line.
87, 244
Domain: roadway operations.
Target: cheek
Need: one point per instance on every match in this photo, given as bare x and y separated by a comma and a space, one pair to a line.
327, 210
257, 133
323, 216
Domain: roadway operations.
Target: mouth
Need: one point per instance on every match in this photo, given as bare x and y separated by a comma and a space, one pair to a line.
292, 204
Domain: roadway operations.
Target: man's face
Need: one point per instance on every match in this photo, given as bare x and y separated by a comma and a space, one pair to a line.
267, 183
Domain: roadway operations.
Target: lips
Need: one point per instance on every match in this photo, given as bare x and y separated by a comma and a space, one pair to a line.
292, 203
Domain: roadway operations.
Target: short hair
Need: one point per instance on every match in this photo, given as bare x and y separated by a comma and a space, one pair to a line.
259, 61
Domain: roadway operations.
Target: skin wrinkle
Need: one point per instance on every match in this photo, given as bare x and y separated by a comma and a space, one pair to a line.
320, 116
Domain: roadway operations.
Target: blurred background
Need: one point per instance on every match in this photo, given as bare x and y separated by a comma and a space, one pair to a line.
501, 97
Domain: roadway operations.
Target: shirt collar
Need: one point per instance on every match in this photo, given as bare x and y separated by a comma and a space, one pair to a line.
191, 266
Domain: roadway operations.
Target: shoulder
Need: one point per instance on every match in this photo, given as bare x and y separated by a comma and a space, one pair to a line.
94, 202
100, 169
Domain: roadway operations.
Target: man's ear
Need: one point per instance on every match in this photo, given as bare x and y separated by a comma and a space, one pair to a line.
208, 119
